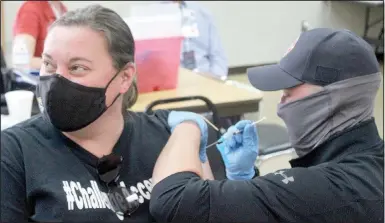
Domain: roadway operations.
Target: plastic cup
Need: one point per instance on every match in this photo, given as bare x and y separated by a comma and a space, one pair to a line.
19, 104
7, 121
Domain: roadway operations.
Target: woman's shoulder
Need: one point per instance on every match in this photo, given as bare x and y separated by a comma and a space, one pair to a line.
20, 140
34, 127
147, 135
156, 121
35, 122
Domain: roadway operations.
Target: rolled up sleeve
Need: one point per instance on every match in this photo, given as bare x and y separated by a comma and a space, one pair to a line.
27, 20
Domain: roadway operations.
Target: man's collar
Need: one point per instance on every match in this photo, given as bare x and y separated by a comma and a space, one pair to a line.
354, 139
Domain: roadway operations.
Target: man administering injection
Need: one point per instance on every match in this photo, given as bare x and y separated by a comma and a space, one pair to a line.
330, 79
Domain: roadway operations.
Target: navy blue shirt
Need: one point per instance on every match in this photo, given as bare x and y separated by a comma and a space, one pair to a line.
46, 177
208, 51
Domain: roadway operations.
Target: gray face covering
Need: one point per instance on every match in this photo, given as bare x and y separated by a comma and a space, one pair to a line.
313, 119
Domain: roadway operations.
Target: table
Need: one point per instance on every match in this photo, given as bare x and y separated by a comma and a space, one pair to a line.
230, 99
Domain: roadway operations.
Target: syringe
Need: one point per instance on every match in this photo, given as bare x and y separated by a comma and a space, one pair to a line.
234, 133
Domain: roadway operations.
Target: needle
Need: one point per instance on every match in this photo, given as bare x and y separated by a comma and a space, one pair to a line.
254, 123
234, 133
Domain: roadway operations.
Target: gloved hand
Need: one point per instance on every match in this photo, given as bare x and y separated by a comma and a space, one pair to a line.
239, 152
177, 117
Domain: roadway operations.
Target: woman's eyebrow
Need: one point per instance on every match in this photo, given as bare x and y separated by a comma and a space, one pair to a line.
47, 55
74, 59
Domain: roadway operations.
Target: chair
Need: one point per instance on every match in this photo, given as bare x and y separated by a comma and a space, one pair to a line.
273, 141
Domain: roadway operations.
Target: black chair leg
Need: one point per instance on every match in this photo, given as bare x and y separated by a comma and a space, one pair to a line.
256, 172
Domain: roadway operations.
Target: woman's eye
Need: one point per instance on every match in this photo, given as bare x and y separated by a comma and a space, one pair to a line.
48, 66
78, 69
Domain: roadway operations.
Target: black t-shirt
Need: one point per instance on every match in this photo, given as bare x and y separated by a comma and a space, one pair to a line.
46, 177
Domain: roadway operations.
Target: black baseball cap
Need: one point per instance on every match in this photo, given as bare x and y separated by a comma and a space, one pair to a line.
319, 56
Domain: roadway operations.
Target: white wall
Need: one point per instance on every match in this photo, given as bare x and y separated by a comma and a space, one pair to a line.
258, 32
253, 32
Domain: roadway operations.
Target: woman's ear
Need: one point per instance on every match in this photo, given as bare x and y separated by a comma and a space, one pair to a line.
128, 75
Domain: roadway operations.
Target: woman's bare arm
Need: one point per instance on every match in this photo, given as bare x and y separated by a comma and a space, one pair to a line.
181, 151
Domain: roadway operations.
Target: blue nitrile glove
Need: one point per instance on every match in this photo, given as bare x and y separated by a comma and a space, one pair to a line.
177, 117
239, 152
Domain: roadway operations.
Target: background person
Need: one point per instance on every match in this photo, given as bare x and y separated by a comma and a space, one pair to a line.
31, 25
202, 50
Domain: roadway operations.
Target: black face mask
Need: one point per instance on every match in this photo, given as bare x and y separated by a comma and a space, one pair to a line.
68, 105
